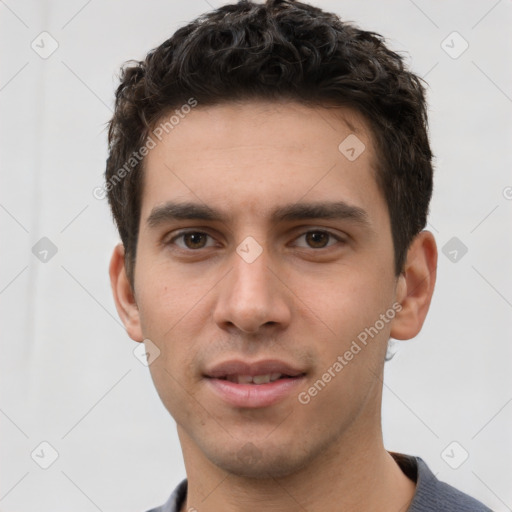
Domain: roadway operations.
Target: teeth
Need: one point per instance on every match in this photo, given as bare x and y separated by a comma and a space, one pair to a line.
257, 379
242, 379
261, 379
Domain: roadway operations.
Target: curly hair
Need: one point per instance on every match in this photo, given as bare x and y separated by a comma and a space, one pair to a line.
279, 50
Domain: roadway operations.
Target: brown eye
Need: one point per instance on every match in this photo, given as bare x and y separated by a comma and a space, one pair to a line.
317, 239
193, 240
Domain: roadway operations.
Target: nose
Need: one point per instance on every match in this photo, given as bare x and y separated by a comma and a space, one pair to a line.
251, 297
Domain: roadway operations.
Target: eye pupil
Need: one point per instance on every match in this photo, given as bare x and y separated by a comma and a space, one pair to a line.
195, 240
317, 239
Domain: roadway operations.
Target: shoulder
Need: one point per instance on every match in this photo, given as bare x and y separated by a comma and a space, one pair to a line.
432, 495
452, 499
175, 501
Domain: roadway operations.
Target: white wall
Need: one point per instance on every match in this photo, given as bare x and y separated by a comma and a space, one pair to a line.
68, 375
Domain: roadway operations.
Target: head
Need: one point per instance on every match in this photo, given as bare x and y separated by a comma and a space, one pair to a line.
236, 129
273, 51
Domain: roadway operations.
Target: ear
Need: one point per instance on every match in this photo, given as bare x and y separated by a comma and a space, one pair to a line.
415, 287
123, 295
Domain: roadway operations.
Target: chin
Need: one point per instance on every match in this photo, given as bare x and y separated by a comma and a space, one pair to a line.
259, 462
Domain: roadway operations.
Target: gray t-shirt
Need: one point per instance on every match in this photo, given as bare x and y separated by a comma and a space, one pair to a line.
431, 495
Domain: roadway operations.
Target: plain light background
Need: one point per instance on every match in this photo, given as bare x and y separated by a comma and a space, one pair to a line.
68, 373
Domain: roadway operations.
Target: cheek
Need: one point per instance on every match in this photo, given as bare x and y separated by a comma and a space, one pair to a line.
353, 298
169, 320
166, 297
352, 358
173, 389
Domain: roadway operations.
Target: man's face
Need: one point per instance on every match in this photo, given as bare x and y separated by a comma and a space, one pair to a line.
266, 280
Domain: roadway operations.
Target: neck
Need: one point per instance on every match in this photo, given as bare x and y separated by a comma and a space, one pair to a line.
353, 475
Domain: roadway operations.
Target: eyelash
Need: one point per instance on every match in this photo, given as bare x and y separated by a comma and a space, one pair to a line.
193, 232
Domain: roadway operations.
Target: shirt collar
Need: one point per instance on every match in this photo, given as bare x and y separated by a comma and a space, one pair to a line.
413, 467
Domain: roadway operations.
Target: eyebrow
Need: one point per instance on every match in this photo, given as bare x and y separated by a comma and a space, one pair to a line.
339, 210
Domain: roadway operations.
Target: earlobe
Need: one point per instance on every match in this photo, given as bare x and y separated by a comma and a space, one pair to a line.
415, 287
123, 295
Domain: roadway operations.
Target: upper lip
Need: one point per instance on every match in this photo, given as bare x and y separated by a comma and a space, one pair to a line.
238, 367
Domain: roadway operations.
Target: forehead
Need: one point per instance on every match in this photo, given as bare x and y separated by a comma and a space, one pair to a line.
250, 157
282, 124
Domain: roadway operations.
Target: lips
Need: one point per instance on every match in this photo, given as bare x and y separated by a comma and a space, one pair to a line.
253, 385
257, 372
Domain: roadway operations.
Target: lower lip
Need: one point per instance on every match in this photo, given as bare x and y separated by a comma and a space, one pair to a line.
254, 395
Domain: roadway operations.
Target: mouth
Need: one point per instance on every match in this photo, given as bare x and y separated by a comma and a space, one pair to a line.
256, 379
253, 385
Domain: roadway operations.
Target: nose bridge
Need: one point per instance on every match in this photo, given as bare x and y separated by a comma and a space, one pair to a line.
250, 278
249, 297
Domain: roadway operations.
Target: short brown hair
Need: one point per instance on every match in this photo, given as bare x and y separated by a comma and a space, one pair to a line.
278, 50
